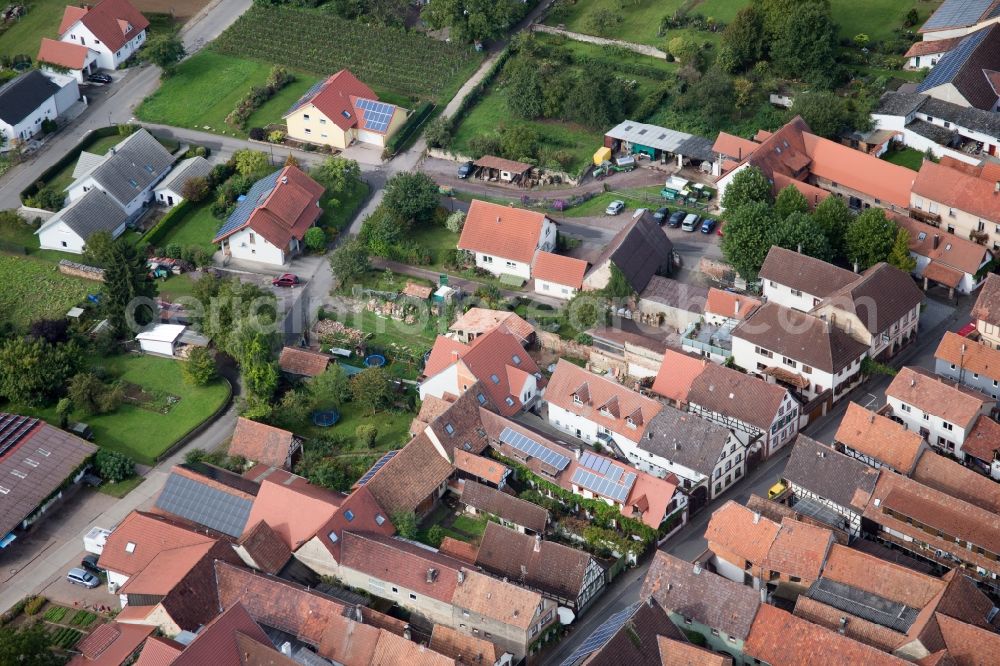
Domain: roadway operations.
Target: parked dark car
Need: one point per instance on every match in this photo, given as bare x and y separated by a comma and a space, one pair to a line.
707, 225
661, 215
81, 430
676, 218
99, 78
286, 280
465, 170
89, 562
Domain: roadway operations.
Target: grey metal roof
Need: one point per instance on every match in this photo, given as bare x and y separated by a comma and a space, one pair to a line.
697, 147
21, 96
957, 14
135, 164
685, 439
94, 211
680, 295
205, 504
661, 138
936, 133
899, 104
894, 615
193, 167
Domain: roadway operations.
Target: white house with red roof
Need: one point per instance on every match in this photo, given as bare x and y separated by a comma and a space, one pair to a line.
76, 60
556, 275
505, 239
509, 376
113, 29
340, 110
267, 226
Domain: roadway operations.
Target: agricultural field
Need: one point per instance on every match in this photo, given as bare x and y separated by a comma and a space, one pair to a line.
390, 60
217, 82
31, 289
556, 135
640, 21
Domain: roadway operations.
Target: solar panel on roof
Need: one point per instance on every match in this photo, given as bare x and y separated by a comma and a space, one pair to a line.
952, 63
601, 635
306, 97
13, 428
246, 206
957, 13
379, 464
532, 448
377, 115
205, 505
604, 486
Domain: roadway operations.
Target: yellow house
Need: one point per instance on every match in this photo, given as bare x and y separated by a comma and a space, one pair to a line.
341, 110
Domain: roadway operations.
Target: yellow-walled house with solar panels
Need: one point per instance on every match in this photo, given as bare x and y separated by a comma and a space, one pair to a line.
341, 110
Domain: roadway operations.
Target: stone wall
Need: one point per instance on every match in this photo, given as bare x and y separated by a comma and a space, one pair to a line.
554, 343
81, 270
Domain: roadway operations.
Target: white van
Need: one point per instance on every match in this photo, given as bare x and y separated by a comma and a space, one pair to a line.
690, 222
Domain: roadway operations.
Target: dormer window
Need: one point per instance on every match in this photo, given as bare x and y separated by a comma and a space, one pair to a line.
576, 399
605, 412
629, 422
449, 428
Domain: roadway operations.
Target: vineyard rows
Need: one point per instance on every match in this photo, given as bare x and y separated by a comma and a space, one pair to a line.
390, 59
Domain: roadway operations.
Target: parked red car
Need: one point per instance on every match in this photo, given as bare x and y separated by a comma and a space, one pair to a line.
286, 280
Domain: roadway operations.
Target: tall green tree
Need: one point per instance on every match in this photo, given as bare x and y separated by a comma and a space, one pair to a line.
228, 307
372, 389
29, 645
899, 255
742, 41
97, 250
749, 186
251, 162
127, 297
350, 260
199, 367
749, 234
799, 231
329, 389
790, 200
805, 46
337, 174
834, 217
255, 355
523, 87
34, 372
164, 50
411, 195
829, 114
870, 238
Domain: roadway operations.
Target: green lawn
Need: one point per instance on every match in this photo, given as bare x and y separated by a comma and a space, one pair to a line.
25, 36
337, 216
473, 525
122, 488
640, 21
176, 286
207, 87
196, 227
906, 157
31, 289
393, 428
141, 433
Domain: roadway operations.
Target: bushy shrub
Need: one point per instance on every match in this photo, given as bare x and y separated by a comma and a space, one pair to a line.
455, 221
113, 466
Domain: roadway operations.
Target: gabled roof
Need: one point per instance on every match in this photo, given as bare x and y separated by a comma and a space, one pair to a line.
831, 475
35, 460
738, 395
279, 207
807, 274
62, 54
267, 548
942, 398
559, 269
140, 537
403, 563
134, 164
502, 231
930, 47
166, 570
510, 508
987, 307
114, 22
501, 365
880, 437
969, 356
596, 393
677, 372
737, 530
459, 427
159, 651
734, 147
303, 362
219, 643
799, 549
983, 441
499, 600
21, 96
674, 652
361, 512
968, 645
631, 636
800, 336
444, 353
480, 466
410, 477
210, 496
686, 439
110, 644
477, 321
462, 647
192, 167
693, 592
880, 297
966, 67
884, 579
261, 443
640, 251
956, 189
345, 101
769, 641
942, 247
293, 509
955, 479
730, 304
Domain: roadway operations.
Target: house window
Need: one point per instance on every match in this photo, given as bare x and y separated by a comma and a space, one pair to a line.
905, 408
789, 362
947, 426
305, 116
796, 292
481, 399
379, 519
761, 366
349, 515
763, 352
413, 596
322, 121
130, 547
449, 428
308, 131
253, 238
487, 259
333, 537
395, 590
951, 212
511, 264
64, 244
509, 400
576, 400
806, 369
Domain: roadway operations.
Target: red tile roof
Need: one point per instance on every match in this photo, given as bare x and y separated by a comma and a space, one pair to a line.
675, 653
879, 437
216, 643
735, 529
737, 395
502, 231
158, 651
499, 600
261, 443
403, 563
295, 513
365, 515
460, 550
972, 357
336, 97
559, 269
410, 477
933, 46
881, 578
166, 570
677, 372
287, 211
938, 396
733, 146
303, 362
955, 189
268, 550
951, 251
955, 479
423, 292
730, 305
391, 650
983, 441
799, 549
63, 54
598, 393
140, 538
444, 353
500, 164
111, 644
781, 639
480, 467
462, 647
968, 645
477, 321
494, 355
114, 22
987, 306
814, 195
508, 507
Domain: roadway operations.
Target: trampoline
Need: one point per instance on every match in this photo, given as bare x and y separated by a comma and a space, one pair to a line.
325, 418
374, 361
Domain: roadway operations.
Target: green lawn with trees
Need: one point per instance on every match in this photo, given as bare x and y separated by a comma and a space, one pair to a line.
33, 289
196, 226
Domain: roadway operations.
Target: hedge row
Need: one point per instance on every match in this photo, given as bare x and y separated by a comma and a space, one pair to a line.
401, 139
69, 158
479, 90
161, 228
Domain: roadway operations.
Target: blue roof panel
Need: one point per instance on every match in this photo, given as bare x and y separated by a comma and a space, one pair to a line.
952, 63
258, 192
957, 14
309, 94
377, 115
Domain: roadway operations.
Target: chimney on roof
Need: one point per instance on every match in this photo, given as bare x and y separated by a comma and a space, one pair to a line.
697, 569
498, 219
677, 446
821, 454
756, 517
358, 617
799, 248
736, 307
937, 240
996, 187
871, 418
406, 632
538, 543
856, 267
843, 625
431, 575
579, 449
524, 571
461, 576
913, 382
